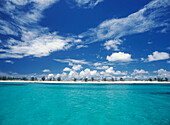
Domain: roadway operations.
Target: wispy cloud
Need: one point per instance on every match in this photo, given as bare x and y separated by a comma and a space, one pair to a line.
9, 61
81, 46
146, 19
72, 61
30, 38
37, 47
84, 3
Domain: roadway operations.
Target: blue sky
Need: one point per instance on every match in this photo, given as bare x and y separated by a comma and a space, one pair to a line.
85, 38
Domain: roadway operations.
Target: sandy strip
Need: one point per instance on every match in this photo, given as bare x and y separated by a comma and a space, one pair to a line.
89, 82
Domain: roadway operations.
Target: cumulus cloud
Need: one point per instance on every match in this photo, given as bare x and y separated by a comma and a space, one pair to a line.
137, 72
46, 70
120, 56
77, 67
73, 74
87, 73
66, 69
50, 76
111, 71
163, 73
158, 56
112, 44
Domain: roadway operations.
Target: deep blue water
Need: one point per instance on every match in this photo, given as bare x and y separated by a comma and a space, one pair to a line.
53, 104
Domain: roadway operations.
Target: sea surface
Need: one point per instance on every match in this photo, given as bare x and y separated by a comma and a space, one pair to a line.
84, 104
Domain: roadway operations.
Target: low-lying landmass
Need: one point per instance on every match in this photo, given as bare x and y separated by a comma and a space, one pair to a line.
90, 82
85, 80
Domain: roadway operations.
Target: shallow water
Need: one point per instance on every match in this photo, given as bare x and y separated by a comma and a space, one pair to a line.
53, 104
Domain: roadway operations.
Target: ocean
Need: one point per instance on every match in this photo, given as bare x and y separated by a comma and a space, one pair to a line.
84, 104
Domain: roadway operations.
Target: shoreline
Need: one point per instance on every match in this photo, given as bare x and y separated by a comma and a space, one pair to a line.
88, 82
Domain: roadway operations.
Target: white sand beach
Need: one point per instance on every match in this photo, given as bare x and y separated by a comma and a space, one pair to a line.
88, 82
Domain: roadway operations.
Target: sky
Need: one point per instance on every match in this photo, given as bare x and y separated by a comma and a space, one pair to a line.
85, 38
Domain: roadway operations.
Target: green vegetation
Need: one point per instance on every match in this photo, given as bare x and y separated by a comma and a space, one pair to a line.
92, 79
43, 78
86, 79
121, 79
75, 79
104, 79
59, 79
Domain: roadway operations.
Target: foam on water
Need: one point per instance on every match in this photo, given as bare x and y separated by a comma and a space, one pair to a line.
54, 104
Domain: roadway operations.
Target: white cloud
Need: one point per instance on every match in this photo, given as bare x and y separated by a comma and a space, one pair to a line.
77, 67
81, 46
6, 55
72, 61
73, 74
50, 76
112, 44
38, 47
146, 19
168, 61
9, 61
111, 71
85, 3
102, 67
46, 70
97, 64
149, 42
87, 73
163, 73
35, 40
158, 56
120, 56
151, 16
66, 69
137, 72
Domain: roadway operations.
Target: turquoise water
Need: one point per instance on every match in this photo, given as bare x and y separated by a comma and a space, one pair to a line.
46, 104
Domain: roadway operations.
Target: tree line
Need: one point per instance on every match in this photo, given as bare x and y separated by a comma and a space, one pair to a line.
75, 79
